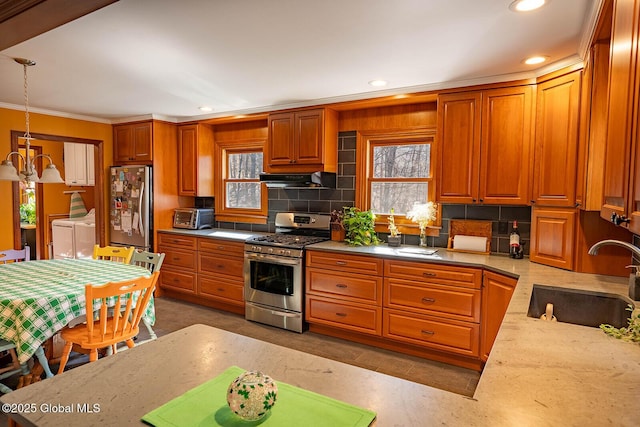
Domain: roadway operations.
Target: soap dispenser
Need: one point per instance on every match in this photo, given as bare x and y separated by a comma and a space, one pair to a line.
634, 282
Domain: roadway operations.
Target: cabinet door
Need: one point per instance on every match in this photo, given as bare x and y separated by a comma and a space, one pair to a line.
308, 138
556, 152
91, 164
122, 144
75, 164
496, 295
187, 158
132, 143
459, 147
634, 188
622, 75
552, 236
280, 146
505, 159
142, 142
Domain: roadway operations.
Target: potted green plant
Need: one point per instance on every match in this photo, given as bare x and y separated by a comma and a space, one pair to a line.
359, 227
337, 228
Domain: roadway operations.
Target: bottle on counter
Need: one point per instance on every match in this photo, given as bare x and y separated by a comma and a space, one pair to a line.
514, 241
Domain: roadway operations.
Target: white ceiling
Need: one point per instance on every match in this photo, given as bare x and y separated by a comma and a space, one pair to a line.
166, 57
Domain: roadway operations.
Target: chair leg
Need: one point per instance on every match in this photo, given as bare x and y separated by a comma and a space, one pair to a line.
64, 357
130, 343
152, 334
44, 362
93, 355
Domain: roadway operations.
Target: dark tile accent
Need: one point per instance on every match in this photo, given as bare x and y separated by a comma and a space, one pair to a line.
482, 212
349, 169
319, 206
346, 182
244, 226
453, 211
311, 194
518, 213
278, 205
298, 206
346, 156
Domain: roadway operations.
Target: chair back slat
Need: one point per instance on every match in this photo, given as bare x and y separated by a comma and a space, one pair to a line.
15, 255
149, 260
120, 321
114, 253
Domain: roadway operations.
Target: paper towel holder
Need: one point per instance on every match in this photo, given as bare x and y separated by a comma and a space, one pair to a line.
469, 227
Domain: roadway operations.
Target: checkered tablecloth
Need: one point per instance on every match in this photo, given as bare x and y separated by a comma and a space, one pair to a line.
39, 298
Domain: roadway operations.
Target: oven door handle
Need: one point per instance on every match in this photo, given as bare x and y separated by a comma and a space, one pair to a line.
274, 259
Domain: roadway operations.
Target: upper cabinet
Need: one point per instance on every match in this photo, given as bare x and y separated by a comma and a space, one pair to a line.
621, 179
132, 143
195, 160
485, 146
79, 168
556, 147
302, 141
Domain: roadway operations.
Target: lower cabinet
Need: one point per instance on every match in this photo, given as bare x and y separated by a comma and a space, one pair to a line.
203, 271
442, 312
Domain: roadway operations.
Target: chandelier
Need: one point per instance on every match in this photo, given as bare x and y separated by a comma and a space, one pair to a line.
28, 173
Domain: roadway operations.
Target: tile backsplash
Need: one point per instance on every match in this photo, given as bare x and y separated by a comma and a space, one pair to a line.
326, 200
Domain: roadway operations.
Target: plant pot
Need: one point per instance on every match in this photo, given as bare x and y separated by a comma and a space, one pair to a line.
338, 234
394, 241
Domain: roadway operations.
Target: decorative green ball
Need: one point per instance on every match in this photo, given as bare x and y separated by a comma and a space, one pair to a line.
252, 395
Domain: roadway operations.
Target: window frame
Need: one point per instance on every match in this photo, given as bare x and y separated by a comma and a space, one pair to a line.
224, 213
365, 143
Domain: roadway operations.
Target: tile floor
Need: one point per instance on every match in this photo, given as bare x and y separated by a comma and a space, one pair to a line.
172, 315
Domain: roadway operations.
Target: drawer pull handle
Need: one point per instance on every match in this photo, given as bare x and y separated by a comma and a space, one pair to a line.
220, 289
341, 286
428, 300
427, 332
426, 274
220, 266
176, 280
176, 258
220, 247
341, 314
341, 263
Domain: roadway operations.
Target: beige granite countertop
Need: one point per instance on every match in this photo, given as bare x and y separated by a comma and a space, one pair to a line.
539, 373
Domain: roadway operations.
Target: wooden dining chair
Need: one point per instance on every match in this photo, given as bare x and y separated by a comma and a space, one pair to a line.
113, 253
115, 324
149, 260
15, 255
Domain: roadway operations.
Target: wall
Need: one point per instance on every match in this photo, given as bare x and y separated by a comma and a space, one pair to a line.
52, 125
326, 200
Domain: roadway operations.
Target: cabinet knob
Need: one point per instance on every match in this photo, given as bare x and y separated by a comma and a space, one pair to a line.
428, 274
341, 263
341, 285
427, 332
341, 314
428, 300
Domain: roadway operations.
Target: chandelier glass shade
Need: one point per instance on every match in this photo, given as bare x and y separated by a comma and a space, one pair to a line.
27, 172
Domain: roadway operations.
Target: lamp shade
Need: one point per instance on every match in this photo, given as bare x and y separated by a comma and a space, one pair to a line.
8, 172
51, 175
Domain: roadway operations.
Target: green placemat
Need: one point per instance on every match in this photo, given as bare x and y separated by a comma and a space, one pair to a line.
206, 405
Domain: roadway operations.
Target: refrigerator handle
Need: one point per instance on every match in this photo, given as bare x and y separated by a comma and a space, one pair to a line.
140, 198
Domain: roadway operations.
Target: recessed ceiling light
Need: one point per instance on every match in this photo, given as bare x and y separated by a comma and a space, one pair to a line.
533, 60
205, 109
378, 83
526, 5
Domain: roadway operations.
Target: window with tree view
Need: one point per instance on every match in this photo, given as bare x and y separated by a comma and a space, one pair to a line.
242, 181
399, 174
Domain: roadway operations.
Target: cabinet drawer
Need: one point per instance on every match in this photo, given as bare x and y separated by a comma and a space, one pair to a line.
450, 336
223, 247
430, 273
344, 285
180, 241
343, 262
180, 259
351, 316
215, 264
219, 289
178, 281
451, 301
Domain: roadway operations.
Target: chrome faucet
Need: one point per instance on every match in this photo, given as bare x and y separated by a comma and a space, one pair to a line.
594, 249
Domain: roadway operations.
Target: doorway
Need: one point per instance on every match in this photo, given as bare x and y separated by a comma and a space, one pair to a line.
41, 224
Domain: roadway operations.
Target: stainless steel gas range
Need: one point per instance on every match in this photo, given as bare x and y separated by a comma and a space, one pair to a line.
274, 269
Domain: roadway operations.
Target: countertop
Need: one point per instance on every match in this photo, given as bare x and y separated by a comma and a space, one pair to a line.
539, 373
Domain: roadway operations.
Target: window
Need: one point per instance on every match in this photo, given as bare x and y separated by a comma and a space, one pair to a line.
395, 172
242, 198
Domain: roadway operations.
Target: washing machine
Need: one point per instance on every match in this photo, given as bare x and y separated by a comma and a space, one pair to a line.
74, 238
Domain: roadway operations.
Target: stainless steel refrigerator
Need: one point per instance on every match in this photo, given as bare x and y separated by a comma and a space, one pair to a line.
131, 217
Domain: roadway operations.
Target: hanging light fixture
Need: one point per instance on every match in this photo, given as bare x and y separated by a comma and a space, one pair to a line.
29, 173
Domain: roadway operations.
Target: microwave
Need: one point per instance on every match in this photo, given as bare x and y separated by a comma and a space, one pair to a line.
193, 218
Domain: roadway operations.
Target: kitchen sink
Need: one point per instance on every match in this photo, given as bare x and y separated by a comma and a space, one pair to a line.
587, 308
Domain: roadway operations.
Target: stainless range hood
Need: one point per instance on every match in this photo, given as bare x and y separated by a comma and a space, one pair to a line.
299, 180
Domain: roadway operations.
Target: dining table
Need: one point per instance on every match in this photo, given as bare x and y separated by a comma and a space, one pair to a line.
39, 298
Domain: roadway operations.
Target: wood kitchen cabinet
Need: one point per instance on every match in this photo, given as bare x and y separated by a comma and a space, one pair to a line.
133, 143
195, 160
220, 273
344, 292
553, 236
621, 178
485, 146
556, 147
302, 141
179, 269
497, 291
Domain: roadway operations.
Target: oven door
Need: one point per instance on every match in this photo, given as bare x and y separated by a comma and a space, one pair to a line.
273, 281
